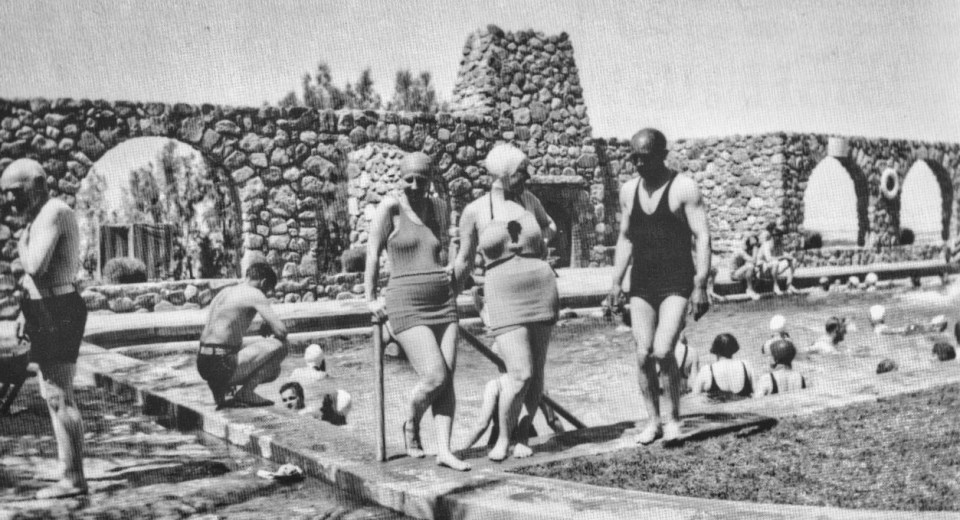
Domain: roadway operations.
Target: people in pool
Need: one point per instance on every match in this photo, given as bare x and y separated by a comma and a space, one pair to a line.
778, 331
333, 407
726, 377
829, 343
782, 379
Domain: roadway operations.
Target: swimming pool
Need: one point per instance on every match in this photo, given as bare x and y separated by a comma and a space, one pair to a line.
591, 366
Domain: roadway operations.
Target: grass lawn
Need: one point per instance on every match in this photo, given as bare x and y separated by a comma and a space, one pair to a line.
897, 453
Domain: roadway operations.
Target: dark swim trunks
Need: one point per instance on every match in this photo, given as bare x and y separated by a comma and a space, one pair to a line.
55, 327
217, 364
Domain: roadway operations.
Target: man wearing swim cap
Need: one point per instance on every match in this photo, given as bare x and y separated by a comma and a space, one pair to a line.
55, 315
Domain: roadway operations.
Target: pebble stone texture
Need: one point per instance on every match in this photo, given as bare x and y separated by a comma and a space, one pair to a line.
305, 182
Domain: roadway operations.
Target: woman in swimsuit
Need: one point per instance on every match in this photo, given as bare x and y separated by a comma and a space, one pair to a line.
726, 377
783, 378
510, 228
420, 300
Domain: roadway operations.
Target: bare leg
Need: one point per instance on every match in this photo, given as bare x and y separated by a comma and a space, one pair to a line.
57, 387
257, 362
445, 400
491, 394
669, 325
539, 335
518, 358
644, 321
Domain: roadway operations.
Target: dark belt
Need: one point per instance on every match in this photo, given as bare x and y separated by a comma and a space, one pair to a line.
214, 350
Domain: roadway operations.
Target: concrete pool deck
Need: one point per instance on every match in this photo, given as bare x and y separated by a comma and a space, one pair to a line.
418, 487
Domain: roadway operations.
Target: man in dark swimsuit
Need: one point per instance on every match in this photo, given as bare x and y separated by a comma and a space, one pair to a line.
661, 212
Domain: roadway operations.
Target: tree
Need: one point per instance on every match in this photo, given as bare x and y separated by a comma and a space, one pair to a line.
320, 92
414, 94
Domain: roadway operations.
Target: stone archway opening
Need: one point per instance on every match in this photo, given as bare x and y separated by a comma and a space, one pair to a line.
560, 247
925, 203
159, 201
830, 205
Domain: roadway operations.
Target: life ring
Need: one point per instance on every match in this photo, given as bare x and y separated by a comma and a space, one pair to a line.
889, 184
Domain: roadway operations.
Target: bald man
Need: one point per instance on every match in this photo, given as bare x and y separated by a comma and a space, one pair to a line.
662, 212
54, 313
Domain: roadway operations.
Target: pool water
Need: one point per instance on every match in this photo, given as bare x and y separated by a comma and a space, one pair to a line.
591, 366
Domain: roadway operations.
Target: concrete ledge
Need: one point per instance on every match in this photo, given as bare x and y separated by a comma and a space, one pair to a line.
417, 487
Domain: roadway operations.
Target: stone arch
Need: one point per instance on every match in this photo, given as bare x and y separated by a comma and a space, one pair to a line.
926, 202
561, 246
832, 203
567, 201
169, 187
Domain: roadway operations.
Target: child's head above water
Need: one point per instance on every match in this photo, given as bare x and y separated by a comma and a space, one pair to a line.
724, 345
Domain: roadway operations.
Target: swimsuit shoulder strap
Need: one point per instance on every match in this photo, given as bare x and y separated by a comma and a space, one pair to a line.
665, 198
747, 385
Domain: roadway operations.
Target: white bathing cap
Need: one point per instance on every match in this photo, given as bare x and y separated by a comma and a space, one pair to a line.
313, 355
777, 323
344, 402
877, 312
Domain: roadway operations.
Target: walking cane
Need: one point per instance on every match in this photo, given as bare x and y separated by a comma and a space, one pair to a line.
378, 388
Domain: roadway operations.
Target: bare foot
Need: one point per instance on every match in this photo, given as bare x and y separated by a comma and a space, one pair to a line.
448, 460
753, 295
411, 441
649, 434
499, 451
62, 489
522, 451
777, 290
671, 431
792, 290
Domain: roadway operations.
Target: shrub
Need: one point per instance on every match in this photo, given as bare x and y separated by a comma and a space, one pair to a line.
124, 270
354, 260
906, 237
812, 240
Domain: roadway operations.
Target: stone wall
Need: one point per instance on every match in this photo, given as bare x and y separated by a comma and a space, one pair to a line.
306, 181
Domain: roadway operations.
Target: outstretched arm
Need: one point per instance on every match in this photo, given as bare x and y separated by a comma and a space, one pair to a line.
262, 305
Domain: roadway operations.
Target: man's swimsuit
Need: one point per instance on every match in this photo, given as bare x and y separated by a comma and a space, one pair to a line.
662, 251
217, 365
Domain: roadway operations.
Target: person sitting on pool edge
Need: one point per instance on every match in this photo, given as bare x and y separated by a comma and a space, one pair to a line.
725, 378
778, 331
226, 359
836, 331
782, 378
333, 407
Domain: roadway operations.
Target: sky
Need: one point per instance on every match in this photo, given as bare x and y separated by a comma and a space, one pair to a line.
874, 68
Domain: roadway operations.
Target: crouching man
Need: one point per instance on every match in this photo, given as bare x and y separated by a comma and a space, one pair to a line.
226, 359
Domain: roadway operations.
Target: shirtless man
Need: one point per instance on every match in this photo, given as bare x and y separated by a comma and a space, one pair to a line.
225, 358
54, 314
661, 211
